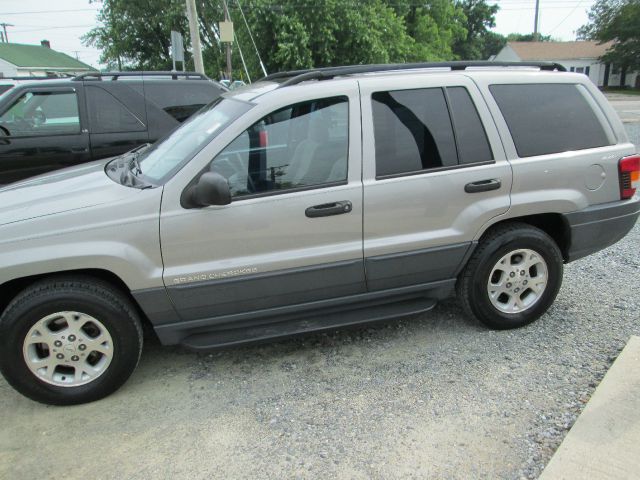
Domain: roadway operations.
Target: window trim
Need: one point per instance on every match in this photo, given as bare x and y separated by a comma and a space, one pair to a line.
482, 125
435, 170
303, 188
56, 90
444, 89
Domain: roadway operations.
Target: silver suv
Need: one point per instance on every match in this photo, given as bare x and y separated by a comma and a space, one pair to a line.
308, 201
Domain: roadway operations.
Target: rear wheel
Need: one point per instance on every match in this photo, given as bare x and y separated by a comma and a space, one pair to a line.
69, 340
512, 278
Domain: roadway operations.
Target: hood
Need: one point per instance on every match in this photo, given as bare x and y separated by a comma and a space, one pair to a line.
72, 188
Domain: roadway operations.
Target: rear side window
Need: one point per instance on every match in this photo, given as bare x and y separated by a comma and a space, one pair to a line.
108, 115
473, 145
181, 99
548, 118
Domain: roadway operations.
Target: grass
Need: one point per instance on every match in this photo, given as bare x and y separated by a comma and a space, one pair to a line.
625, 91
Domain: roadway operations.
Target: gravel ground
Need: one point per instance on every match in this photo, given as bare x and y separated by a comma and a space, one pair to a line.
431, 396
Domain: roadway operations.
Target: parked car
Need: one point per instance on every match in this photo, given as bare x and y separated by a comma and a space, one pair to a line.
309, 201
47, 124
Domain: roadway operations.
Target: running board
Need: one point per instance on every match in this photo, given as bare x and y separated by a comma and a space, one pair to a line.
232, 337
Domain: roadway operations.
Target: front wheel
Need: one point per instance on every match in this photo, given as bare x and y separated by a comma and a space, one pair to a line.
69, 340
512, 278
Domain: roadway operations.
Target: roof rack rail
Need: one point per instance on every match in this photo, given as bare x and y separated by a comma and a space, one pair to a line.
27, 77
116, 75
296, 76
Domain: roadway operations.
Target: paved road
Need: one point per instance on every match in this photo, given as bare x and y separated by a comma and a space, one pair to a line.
627, 106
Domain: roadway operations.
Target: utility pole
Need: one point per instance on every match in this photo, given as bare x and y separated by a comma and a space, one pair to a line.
4, 27
535, 25
194, 31
227, 19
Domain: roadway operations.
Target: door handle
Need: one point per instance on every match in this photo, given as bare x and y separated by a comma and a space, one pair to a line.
327, 209
79, 149
483, 186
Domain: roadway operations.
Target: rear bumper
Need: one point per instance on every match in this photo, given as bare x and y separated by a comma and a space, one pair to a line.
600, 226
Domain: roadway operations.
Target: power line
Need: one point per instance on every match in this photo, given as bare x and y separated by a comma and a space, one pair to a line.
565, 18
52, 28
264, 70
50, 11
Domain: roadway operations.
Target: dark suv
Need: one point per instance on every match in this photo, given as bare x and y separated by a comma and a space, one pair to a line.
54, 123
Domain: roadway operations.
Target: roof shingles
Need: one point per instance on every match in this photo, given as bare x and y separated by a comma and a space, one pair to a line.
538, 51
38, 57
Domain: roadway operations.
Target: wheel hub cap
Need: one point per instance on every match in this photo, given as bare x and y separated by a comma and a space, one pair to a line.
517, 281
68, 349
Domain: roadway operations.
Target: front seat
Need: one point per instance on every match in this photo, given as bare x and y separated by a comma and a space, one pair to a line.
307, 150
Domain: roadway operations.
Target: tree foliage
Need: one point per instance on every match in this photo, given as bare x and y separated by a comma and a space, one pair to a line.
479, 42
528, 37
616, 20
294, 34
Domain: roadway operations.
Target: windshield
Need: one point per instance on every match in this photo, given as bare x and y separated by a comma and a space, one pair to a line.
165, 157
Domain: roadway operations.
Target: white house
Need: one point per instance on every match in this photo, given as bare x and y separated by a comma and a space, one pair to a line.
581, 57
37, 60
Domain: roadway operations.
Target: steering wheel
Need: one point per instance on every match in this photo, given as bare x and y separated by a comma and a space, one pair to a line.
5, 131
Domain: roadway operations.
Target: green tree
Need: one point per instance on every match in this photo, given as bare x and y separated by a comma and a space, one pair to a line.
528, 37
479, 40
135, 34
289, 34
492, 44
434, 25
616, 20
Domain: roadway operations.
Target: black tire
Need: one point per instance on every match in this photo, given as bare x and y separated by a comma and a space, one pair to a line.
472, 283
83, 294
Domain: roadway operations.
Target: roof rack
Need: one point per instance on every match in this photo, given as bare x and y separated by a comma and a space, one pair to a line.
296, 76
27, 77
116, 75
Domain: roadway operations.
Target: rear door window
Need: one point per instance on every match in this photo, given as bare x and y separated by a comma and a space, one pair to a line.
413, 131
424, 129
473, 145
549, 118
108, 115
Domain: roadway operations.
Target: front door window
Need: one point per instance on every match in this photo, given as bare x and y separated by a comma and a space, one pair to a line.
300, 146
42, 113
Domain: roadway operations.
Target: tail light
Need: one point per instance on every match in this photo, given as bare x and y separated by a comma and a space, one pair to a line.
629, 168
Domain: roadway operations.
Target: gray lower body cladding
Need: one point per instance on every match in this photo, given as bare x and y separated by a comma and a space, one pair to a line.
291, 301
600, 226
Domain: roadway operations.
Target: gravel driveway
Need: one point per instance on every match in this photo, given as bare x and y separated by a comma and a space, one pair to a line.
430, 396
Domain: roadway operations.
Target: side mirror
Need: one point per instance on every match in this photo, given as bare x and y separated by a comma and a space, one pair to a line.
211, 189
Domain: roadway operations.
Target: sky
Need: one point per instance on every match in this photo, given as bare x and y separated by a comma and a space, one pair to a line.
63, 22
